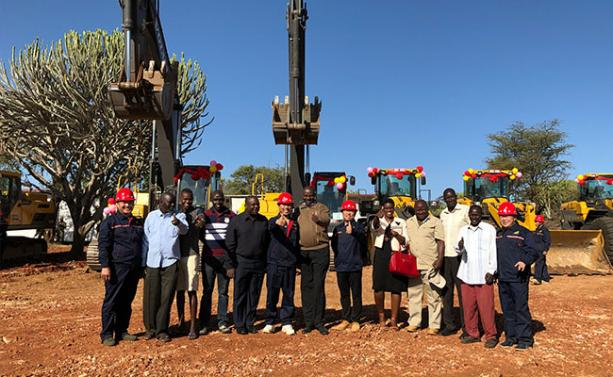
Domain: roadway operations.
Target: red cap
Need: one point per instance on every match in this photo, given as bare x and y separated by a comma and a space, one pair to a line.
124, 195
539, 219
285, 198
507, 209
349, 205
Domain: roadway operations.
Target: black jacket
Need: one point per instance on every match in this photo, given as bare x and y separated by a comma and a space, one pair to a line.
247, 240
120, 240
543, 239
349, 249
284, 247
515, 244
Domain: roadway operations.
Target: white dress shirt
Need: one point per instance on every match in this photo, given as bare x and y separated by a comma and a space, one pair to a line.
398, 225
453, 221
478, 254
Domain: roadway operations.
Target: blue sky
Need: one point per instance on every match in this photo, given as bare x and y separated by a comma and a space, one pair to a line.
403, 83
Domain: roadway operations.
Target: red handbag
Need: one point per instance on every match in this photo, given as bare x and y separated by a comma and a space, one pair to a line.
403, 264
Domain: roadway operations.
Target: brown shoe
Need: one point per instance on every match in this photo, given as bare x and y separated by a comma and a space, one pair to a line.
432, 331
341, 326
355, 327
412, 328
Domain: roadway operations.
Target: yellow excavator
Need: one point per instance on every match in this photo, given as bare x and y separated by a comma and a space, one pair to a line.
23, 210
490, 188
587, 227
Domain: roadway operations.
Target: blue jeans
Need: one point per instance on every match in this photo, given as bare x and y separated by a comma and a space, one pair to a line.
212, 268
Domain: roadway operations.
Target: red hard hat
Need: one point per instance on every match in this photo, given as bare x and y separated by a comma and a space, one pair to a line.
124, 194
507, 209
539, 219
349, 205
285, 198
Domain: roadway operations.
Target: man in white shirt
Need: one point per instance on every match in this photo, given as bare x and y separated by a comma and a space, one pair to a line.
454, 217
477, 246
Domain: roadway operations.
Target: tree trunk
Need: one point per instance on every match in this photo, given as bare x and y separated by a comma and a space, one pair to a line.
78, 246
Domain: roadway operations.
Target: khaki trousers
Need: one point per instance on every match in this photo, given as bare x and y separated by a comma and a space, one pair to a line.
417, 286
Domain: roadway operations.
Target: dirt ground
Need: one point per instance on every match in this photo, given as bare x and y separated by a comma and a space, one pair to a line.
50, 319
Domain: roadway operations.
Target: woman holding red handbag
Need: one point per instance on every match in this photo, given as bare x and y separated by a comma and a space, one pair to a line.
391, 237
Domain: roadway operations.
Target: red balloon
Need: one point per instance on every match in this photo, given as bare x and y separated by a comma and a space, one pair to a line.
467, 173
219, 167
420, 168
399, 175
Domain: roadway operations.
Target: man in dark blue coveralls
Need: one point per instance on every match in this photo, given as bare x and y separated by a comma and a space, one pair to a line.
516, 251
119, 252
543, 240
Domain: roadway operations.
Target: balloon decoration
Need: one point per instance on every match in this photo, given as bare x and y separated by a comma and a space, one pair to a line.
201, 172
397, 172
492, 175
581, 179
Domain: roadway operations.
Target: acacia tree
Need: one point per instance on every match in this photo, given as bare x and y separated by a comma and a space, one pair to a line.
58, 123
538, 151
242, 178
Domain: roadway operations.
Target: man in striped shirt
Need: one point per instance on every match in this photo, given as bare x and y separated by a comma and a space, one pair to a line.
477, 246
216, 263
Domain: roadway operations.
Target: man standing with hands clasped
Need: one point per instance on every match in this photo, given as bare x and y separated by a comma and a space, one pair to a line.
161, 252
477, 248
516, 251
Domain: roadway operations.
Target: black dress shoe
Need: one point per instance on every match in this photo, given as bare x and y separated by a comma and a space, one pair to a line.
448, 331
523, 346
308, 329
163, 337
322, 329
469, 339
508, 343
252, 330
491, 343
241, 331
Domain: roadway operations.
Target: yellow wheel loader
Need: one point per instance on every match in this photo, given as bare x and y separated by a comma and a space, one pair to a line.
587, 228
23, 210
490, 188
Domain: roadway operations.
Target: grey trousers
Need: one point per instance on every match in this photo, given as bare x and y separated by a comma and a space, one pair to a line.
159, 292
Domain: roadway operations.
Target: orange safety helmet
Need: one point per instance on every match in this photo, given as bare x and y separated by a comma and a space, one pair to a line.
285, 198
507, 209
539, 219
349, 205
124, 194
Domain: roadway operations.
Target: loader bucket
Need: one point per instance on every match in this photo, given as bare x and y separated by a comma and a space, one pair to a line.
575, 252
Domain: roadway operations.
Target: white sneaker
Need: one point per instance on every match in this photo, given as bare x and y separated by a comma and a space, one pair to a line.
268, 329
288, 330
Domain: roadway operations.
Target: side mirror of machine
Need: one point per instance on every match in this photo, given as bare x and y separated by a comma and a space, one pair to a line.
423, 180
351, 180
307, 178
373, 180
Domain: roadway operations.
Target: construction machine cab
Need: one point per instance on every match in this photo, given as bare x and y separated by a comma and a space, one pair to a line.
399, 184
200, 180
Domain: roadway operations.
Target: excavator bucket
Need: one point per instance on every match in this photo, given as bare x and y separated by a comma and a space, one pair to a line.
150, 97
575, 252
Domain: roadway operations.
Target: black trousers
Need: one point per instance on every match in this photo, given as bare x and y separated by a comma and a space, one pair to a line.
540, 269
159, 292
212, 269
247, 289
517, 318
119, 293
450, 273
314, 265
280, 279
350, 285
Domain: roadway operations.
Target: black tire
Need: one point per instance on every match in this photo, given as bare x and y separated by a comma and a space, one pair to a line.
605, 224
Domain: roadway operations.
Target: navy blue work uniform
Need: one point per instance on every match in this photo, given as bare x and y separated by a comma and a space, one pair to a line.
120, 248
349, 251
247, 240
515, 244
543, 241
283, 256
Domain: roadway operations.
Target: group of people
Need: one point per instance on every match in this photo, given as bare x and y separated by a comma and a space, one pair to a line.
458, 252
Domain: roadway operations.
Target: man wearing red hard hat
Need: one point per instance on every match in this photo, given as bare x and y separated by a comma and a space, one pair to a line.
516, 251
543, 240
120, 253
349, 245
283, 255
